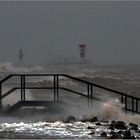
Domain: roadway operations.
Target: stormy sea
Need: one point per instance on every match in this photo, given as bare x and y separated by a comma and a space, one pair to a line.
72, 116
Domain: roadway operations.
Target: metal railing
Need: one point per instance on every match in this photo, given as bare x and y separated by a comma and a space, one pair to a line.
131, 105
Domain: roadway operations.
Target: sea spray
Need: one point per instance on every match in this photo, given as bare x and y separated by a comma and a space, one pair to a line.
113, 110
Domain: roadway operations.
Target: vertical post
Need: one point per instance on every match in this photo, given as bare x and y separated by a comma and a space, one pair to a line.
91, 90
88, 93
57, 87
24, 87
21, 82
132, 104
122, 98
0, 97
125, 103
88, 90
136, 105
54, 82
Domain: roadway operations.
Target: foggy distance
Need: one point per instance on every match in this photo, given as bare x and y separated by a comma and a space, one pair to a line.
47, 31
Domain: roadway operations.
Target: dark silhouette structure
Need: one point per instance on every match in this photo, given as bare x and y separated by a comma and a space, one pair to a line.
131, 103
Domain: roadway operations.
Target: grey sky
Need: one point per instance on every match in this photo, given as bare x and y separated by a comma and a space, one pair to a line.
111, 30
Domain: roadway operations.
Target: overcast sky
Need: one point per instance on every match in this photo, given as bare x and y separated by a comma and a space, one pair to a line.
45, 29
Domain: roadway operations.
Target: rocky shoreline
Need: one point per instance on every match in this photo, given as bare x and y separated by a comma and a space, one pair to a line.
110, 129
71, 129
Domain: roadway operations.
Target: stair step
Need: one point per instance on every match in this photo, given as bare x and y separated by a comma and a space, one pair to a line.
20, 104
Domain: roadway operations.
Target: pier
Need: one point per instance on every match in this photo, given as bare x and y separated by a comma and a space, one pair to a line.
130, 102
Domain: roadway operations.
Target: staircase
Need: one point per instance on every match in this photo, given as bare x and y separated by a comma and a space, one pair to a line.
131, 103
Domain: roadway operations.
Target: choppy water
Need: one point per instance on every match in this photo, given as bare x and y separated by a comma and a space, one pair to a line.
58, 130
122, 78
50, 130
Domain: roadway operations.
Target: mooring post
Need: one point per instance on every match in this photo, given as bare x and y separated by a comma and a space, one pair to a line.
0, 98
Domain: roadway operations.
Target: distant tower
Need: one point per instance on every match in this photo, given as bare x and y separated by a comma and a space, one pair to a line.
82, 50
20, 55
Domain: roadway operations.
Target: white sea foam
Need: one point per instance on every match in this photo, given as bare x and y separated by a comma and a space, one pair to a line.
53, 130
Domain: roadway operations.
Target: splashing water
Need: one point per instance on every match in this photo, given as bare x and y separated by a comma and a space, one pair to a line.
112, 110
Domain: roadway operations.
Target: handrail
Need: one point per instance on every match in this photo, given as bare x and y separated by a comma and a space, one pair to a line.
6, 78
8, 92
75, 92
74, 78
100, 86
56, 87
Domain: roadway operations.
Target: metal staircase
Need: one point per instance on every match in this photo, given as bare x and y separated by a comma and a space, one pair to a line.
131, 103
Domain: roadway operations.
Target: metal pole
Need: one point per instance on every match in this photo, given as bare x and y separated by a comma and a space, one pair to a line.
21, 88
88, 90
57, 86
24, 87
133, 104
91, 90
125, 103
136, 105
88, 93
54, 88
122, 98
0, 97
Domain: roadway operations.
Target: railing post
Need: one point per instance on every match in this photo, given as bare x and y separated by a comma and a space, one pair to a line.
22, 87
133, 104
54, 82
57, 86
88, 90
91, 90
126, 104
0, 97
122, 98
88, 93
136, 105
